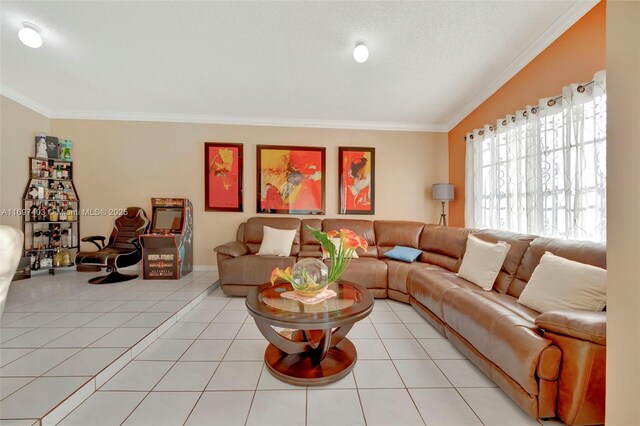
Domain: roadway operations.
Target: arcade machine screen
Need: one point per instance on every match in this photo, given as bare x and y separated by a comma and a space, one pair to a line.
167, 220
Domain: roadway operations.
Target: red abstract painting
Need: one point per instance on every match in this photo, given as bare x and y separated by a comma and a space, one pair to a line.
290, 180
223, 177
356, 169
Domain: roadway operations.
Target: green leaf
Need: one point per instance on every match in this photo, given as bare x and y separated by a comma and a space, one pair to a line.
322, 238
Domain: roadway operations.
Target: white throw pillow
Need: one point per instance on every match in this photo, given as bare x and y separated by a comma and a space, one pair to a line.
559, 283
482, 261
276, 242
336, 244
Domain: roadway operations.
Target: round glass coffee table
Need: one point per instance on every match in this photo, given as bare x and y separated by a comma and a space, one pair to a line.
315, 350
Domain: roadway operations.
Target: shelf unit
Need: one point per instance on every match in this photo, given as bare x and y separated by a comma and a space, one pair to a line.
44, 232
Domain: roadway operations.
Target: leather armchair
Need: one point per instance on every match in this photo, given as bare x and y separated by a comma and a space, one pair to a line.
122, 249
11, 241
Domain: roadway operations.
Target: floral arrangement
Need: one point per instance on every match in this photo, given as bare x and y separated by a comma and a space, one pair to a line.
339, 254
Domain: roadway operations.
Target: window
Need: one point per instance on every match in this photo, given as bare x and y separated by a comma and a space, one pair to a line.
543, 170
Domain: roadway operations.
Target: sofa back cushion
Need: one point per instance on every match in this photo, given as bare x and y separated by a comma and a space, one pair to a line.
253, 231
363, 228
240, 232
519, 244
587, 252
391, 233
309, 247
443, 246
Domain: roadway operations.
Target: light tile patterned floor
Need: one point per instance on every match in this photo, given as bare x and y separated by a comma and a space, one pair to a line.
58, 332
207, 369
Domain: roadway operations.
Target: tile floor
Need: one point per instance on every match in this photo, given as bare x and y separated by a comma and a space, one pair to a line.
207, 369
60, 334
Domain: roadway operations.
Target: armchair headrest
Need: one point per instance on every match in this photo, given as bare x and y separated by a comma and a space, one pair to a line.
135, 220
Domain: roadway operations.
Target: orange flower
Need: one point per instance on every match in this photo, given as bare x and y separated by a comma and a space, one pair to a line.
332, 234
351, 243
363, 243
286, 275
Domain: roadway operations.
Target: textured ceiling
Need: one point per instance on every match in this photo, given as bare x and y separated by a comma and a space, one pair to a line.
268, 60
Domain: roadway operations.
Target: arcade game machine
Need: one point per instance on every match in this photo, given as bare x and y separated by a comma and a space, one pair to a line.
167, 251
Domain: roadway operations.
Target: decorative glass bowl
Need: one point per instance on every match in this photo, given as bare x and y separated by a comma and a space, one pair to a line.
310, 277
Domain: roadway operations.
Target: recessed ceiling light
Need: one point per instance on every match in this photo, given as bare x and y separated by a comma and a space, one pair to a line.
361, 53
30, 35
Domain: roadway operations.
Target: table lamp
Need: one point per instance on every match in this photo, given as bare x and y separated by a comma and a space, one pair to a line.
442, 192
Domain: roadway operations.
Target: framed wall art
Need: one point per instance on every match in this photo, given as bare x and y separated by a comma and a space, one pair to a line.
356, 174
290, 179
223, 176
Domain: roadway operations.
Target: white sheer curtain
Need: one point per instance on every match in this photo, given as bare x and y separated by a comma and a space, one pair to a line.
543, 170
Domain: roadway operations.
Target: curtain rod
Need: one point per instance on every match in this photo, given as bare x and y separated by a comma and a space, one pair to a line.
551, 102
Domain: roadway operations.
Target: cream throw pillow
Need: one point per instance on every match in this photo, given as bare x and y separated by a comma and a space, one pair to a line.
482, 261
276, 242
559, 283
336, 244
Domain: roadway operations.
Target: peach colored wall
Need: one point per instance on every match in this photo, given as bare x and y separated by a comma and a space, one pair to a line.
19, 126
124, 163
574, 57
623, 210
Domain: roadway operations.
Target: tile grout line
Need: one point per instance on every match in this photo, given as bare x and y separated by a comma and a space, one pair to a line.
396, 368
176, 361
51, 412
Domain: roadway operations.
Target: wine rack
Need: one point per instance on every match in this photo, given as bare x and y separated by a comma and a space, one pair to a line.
51, 214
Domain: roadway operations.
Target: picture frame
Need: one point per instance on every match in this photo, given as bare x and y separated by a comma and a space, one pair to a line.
356, 180
290, 179
223, 183
52, 146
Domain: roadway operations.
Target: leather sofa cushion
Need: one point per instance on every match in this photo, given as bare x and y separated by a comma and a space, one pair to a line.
252, 269
429, 286
510, 303
306, 237
587, 252
253, 231
240, 232
391, 233
511, 342
369, 272
519, 244
363, 228
309, 247
397, 273
444, 240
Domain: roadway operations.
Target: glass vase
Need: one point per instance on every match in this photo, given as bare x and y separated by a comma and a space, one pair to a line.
310, 277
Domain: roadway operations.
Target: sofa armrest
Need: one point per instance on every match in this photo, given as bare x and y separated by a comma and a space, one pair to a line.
590, 326
233, 249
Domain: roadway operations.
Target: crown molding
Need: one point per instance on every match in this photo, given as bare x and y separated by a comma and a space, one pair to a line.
551, 34
250, 121
24, 100
218, 119
570, 17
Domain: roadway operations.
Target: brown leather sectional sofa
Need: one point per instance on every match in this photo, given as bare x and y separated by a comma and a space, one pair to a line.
552, 364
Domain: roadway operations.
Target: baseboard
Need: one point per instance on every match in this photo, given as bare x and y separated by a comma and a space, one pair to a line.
197, 268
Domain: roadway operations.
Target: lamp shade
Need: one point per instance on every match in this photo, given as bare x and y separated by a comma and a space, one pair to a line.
442, 192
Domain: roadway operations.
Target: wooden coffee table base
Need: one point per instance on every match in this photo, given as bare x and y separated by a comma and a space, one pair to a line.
311, 349
309, 357
300, 368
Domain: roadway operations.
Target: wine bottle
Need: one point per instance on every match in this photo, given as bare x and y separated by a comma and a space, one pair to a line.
36, 263
66, 257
